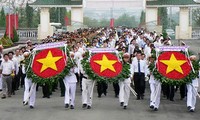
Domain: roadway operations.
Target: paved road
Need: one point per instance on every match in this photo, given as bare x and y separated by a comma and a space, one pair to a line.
105, 108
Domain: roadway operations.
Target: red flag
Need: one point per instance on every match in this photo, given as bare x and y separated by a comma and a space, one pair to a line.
112, 22
66, 21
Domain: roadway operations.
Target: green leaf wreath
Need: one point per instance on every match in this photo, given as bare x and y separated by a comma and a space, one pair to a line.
36, 79
93, 76
188, 79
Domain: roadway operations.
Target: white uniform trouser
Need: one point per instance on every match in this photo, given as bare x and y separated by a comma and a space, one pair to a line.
155, 94
87, 91
28, 84
70, 92
0, 82
191, 96
124, 92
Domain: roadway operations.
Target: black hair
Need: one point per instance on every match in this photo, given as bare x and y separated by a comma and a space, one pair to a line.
11, 52
5, 55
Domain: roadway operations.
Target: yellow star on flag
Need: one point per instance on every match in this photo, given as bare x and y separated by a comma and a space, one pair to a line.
106, 64
173, 64
49, 62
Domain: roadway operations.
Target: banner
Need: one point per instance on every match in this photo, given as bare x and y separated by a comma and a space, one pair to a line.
102, 50
11, 24
172, 48
49, 45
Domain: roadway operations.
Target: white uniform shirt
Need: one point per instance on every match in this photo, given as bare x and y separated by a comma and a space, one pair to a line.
81, 50
147, 51
143, 66
23, 69
77, 56
16, 66
18, 59
131, 49
7, 67
71, 78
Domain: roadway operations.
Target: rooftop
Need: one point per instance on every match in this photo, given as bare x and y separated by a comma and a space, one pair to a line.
168, 3
56, 3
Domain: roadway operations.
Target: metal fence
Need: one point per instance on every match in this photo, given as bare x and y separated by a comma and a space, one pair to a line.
196, 33
27, 33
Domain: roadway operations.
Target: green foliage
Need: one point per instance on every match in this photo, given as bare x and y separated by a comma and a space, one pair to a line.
163, 17
50, 81
6, 41
104, 23
15, 37
57, 15
123, 20
62, 15
29, 16
2, 18
142, 18
126, 20
90, 22
22, 18
36, 18
68, 14
196, 17
93, 76
164, 80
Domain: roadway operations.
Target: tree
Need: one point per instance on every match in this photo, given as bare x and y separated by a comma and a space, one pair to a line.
15, 37
2, 18
58, 15
104, 23
196, 17
29, 16
90, 22
36, 18
62, 15
14, 3
53, 15
163, 18
126, 20
22, 17
142, 18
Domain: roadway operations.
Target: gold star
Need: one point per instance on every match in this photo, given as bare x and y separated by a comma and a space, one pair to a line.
106, 64
173, 64
49, 62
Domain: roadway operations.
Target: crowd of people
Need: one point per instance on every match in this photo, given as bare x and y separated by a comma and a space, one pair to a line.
136, 45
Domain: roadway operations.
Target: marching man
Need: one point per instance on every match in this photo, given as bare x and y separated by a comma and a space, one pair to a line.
140, 70
155, 88
192, 91
124, 92
87, 88
30, 88
192, 94
70, 87
7, 71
